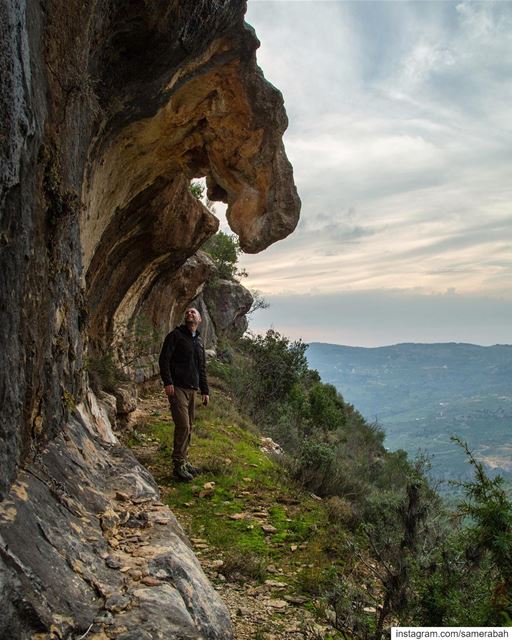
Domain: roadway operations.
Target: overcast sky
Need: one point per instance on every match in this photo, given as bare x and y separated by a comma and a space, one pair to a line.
400, 137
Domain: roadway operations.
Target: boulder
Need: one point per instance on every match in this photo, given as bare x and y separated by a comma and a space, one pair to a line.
57, 568
228, 303
126, 398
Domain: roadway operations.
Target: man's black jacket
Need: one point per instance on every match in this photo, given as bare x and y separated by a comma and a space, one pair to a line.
183, 361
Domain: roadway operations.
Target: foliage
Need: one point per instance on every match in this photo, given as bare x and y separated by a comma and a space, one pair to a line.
240, 565
426, 565
490, 510
489, 535
197, 189
326, 407
433, 567
258, 302
273, 365
463, 576
395, 547
224, 250
450, 589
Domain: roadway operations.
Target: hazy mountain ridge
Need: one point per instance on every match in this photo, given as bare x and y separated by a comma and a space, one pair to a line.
422, 394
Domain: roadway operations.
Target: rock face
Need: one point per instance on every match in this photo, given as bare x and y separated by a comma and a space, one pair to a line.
85, 540
228, 303
107, 110
223, 305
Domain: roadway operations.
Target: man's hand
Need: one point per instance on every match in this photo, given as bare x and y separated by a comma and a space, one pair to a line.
206, 400
169, 389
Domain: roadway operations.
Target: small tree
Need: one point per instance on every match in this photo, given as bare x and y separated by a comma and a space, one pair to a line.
258, 302
197, 189
490, 531
224, 250
272, 367
394, 549
326, 407
466, 574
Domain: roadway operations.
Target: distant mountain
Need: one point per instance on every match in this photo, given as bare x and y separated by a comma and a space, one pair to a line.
421, 394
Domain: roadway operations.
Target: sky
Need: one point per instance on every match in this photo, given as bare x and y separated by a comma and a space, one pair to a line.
400, 136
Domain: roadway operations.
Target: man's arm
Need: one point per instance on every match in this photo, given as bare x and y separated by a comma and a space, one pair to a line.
203, 380
164, 360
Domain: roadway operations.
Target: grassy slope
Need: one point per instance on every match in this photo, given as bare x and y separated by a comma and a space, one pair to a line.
304, 548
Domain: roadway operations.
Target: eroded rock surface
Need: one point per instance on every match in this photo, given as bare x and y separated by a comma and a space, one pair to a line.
228, 303
85, 540
108, 109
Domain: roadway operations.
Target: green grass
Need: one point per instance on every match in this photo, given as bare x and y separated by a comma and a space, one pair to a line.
305, 545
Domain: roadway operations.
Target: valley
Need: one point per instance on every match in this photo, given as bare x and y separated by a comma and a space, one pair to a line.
422, 394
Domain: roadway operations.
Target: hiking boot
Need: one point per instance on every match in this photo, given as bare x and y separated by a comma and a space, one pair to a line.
194, 471
181, 473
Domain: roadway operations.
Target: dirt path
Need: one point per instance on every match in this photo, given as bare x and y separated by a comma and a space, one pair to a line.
266, 610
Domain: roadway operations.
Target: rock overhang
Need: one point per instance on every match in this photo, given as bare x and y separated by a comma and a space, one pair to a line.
221, 120
127, 103
217, 117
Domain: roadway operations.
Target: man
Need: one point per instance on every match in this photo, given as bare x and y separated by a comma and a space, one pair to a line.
183, 371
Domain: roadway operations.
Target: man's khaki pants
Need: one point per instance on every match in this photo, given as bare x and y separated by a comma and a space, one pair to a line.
182, 410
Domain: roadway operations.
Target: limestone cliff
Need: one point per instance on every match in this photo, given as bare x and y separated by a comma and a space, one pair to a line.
225, 304
107, 110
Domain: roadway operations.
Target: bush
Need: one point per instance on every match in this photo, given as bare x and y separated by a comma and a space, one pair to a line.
339, 511
272, 366
239, 565
219, 369
224, 250
489, 536
326, 407
217, 465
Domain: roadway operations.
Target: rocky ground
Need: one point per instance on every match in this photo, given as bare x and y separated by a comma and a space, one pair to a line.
89, 549
265, 601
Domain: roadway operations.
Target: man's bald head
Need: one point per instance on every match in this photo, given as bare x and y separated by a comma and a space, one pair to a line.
192, 317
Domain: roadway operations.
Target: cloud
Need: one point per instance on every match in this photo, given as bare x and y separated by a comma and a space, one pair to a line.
400, 138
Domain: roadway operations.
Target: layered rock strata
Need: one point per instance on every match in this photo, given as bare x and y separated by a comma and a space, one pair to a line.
224, 305
108, 109
87, 546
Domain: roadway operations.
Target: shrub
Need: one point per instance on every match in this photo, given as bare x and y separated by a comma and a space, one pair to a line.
273, 365
314, 580
224, 250
219, 369
314, 465
216, 465
339, 510
239, 565
489, 508
326, 407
